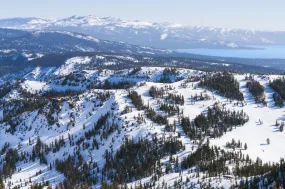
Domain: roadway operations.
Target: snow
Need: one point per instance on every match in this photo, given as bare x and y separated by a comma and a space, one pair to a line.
14, 94
37, 21
86, 112
220, 64
77, 35
254, 133
7, 50
109, 63
70, 64
37, 121
109, 26
29, 171
40, 73
32, 56
232, 45
127, 58
163, 36
134, 24
174, 25
266, 41
34, 86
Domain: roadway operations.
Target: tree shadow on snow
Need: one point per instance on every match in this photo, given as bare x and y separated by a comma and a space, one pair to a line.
269, 97
282, 118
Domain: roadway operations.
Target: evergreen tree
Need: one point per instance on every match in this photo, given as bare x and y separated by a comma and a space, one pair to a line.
257, 90
224, 83
268, 141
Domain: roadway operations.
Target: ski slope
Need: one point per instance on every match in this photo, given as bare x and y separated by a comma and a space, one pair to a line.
86, 109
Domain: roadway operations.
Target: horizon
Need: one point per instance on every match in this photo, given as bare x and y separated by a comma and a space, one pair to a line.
138, 20
252, 15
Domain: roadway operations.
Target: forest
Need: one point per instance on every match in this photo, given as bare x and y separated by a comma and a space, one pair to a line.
214, 124
257, 90
224, 83
134, 161
278, 85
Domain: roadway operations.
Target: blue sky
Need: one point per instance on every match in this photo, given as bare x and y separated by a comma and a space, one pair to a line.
246, 14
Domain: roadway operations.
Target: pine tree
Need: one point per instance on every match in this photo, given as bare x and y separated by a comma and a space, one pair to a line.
281, 128
268, 141
2, 186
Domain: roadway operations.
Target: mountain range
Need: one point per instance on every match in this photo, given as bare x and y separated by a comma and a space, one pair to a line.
89, 102
152, 34
46, 41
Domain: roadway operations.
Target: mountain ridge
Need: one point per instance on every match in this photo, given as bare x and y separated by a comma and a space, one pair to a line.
52, 41
153, 34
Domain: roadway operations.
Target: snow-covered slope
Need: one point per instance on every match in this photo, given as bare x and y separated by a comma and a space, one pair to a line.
53, 114
161, 35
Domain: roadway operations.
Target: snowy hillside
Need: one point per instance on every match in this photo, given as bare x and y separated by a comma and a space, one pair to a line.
160, 35
140, 127
15, 65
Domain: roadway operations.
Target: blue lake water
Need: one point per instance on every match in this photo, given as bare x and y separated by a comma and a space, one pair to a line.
263, 52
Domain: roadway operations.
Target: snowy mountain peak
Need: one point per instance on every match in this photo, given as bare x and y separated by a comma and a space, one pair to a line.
89, 20
151, 34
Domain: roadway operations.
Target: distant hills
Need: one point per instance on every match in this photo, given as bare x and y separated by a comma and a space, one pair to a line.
159, 35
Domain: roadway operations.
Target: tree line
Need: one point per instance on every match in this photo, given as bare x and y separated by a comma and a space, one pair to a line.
278, 85
215, 123
224, 83
257, 90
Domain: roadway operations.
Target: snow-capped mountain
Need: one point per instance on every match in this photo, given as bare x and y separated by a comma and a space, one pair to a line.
161, 35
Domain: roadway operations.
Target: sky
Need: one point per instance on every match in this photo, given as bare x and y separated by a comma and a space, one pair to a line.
242, 14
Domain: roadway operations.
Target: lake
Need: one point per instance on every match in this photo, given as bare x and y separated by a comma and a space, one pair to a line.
263, 52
